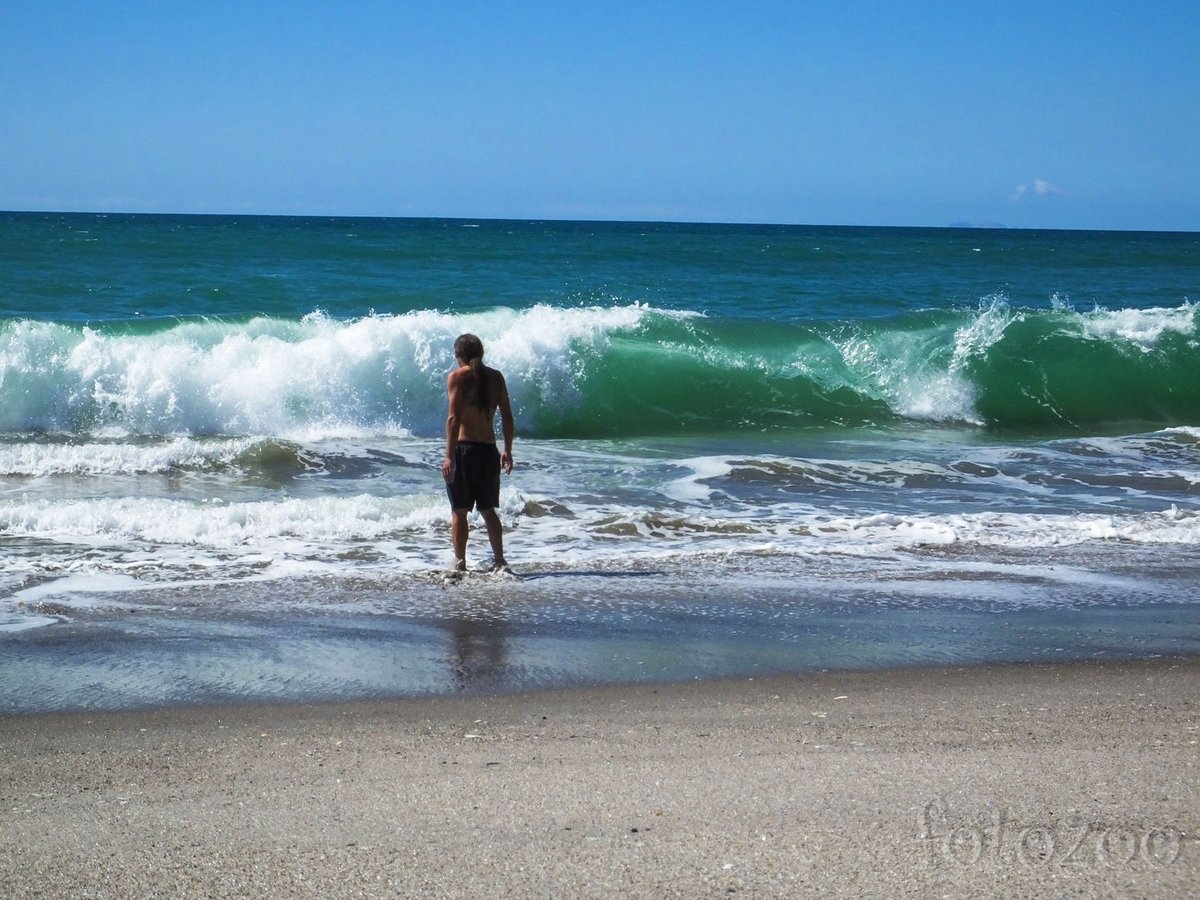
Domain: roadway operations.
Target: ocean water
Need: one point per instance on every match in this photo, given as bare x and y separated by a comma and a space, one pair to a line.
740, 449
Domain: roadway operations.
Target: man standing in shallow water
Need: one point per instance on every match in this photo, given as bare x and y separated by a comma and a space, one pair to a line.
472, 465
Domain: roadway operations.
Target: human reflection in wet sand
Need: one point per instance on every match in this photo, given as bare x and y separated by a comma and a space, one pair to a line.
479, 651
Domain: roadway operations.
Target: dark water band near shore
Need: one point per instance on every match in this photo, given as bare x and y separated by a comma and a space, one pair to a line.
555, 628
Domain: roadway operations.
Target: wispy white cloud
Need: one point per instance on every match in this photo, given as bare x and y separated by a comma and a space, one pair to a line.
1041, 188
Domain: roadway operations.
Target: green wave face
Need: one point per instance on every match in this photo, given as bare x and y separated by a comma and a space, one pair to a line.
1080, 370
699, 378
994, 367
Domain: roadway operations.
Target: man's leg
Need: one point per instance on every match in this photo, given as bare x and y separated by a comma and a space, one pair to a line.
458, 537
495, 532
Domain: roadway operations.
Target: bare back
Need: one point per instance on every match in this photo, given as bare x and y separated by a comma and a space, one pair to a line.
468, 420
475, 422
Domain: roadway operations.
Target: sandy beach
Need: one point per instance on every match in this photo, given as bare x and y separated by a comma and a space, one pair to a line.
1023, 780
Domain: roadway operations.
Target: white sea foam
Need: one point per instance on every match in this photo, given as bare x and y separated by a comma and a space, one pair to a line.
377, 512
1016, 530
330, 525
688, 488
378, 374
121, 545
1182, 431
1141, 327
39, 459
81, 589
218, 524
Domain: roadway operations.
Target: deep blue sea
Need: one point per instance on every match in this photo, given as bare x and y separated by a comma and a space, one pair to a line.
739, 449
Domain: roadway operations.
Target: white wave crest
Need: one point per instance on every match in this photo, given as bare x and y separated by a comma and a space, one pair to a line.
381, 374
1141, 327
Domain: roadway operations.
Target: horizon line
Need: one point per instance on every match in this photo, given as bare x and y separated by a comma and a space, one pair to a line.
962, 225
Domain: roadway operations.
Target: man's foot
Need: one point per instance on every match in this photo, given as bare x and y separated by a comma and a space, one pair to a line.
501, 568
460, 565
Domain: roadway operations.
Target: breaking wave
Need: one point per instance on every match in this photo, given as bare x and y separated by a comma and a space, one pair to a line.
618, 371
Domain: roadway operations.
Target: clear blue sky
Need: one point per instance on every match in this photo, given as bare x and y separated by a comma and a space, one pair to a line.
1046, 114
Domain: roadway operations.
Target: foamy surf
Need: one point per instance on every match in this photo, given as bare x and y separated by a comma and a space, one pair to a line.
615, 509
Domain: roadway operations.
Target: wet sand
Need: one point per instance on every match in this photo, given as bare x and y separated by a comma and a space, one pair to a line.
1021, 780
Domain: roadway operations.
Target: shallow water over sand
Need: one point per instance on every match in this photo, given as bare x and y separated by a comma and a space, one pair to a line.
420, 635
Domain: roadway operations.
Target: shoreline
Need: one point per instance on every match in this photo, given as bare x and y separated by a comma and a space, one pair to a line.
1021, 777
213, 647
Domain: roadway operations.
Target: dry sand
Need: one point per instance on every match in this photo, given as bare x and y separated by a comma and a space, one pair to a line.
1024, 780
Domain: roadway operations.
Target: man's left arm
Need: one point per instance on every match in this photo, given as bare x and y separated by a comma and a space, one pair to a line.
507, 426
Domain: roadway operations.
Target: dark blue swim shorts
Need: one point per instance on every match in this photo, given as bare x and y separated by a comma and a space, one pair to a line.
476, 479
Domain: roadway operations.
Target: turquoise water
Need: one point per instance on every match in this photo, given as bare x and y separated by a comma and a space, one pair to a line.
241, 417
